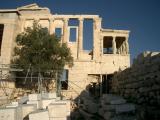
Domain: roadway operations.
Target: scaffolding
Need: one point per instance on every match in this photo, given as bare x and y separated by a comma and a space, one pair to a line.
6, 71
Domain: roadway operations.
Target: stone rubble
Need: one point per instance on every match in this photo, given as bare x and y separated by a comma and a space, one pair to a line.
108, 107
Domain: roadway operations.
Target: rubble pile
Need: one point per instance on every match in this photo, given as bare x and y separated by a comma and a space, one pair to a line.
108, 107
114, 107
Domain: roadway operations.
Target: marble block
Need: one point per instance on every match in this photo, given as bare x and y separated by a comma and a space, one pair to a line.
39, 115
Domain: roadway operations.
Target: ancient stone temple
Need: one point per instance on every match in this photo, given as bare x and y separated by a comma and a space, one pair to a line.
109, 53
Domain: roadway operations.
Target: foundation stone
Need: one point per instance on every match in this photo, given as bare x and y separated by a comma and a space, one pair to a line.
39, 115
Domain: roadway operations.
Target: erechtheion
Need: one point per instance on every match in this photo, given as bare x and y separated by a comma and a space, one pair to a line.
110, 51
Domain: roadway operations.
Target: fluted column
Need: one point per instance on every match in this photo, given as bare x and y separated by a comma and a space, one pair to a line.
65, 30
80, 37
114, 45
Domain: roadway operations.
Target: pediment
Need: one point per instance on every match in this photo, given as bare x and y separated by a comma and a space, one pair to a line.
30, 6
33, 9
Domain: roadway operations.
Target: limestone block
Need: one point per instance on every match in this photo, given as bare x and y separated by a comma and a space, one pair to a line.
144, 89
68, 105
154, 53
108, 115
143, 55
34, 97
23, 100
13, 104
125, 108
46, 102
26, 109
118, 101
85, 114
48, 95
19, 113
39, 115
58, 98
85, 95
156, 60
57, 110
113, 99
101, 112
38, 103
91, 106
10, 114
123, 117
58, 118
155, 87
109, 107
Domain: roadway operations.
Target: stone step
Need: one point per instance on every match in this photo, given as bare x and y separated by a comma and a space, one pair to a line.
86, 115
112, 99
125, 108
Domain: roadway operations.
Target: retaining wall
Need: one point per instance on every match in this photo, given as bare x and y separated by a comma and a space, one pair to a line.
141, 82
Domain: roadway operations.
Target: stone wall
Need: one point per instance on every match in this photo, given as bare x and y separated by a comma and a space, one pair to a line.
141, 83
106, 107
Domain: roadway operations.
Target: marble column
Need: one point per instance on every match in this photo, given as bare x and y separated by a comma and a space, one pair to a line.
126, 46
51, 26
123, 48
80, 37
114, 45
36, 20
96, 38
65, 30
22, 24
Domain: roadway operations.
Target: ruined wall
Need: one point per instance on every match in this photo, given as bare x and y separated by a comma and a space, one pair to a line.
141, 82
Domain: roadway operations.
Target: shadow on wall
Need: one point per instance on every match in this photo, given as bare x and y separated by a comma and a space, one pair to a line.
90, 105
87, 104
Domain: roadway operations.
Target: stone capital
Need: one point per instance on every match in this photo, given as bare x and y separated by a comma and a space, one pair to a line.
114, 37
127, 37
97, 19
81, 19
23, 18
37, 19
51, 19
65, 19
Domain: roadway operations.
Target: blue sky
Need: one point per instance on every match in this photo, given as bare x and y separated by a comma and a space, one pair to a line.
141, 17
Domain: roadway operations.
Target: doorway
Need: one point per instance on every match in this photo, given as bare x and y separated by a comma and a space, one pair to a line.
107, 83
